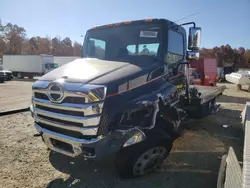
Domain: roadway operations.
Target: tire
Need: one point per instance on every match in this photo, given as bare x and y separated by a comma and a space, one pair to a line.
142, 158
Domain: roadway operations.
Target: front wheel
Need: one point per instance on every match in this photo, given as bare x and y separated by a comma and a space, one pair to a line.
142, 158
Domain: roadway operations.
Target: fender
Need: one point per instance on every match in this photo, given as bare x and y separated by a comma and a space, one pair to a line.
142, 111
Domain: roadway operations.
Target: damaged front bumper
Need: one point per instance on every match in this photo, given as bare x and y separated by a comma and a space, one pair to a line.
96, 148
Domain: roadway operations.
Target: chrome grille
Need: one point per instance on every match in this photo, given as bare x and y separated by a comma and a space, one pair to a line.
61, 131
68, 123
74, 112
73, 100
61, 111
40, 96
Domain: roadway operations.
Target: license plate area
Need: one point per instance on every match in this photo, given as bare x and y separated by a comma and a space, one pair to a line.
66, 147
62, 145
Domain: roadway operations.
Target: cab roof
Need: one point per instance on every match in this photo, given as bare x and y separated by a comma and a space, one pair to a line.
135, 22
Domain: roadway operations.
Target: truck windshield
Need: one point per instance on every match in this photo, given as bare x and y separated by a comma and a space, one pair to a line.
123, 42
51, 66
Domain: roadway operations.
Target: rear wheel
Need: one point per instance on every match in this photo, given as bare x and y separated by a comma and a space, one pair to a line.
142, 158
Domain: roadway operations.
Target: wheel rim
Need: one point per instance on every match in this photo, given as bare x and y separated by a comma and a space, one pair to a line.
149, 161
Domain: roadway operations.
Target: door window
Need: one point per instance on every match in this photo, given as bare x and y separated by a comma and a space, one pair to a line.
175, 51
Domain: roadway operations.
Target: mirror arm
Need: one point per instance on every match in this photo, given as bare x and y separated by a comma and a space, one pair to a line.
177, 26
189, 23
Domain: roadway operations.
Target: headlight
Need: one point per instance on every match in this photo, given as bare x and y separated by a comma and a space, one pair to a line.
97, 94
136, 138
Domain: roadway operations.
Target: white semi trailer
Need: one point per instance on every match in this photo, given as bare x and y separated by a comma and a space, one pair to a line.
61, 60
29, 65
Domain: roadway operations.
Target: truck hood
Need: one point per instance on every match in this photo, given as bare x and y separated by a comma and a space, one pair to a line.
96, 71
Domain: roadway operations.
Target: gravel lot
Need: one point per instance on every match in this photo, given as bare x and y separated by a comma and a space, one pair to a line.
194, 160
15, 95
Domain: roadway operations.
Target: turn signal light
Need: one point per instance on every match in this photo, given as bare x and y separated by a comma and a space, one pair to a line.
127, 22
148, 20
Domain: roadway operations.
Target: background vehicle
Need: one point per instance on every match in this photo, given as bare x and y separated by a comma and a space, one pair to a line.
29, 65
2, 76
61, 60
207, 70
220, 73
8, 73
127, 96
241, 77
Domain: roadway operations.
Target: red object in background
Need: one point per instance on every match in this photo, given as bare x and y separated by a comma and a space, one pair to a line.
208, 71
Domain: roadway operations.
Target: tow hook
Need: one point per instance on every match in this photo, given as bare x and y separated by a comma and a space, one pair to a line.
38, 134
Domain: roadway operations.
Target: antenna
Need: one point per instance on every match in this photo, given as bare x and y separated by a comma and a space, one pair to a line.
186, 17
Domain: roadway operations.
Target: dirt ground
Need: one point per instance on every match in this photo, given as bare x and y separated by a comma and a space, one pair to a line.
15, 94
194, 160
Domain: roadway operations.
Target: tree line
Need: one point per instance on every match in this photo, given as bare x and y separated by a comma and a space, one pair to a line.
227, 56
13, 40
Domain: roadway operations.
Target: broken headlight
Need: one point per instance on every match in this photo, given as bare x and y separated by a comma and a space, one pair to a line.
136, 138
97, 94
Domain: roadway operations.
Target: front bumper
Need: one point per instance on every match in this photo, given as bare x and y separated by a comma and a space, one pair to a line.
97, 148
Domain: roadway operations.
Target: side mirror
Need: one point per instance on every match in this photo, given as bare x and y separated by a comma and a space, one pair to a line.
194, 38
193, 55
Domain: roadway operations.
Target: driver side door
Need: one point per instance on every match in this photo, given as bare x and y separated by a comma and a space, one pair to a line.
174, 56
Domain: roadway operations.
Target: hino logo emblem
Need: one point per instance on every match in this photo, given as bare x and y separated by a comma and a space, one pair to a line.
55, 92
